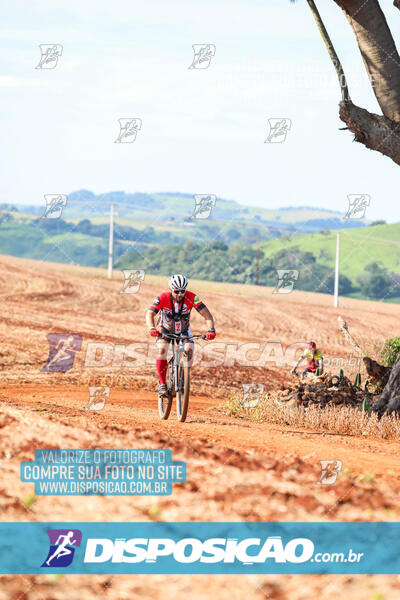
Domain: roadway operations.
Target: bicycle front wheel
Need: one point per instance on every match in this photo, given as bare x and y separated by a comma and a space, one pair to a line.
165, 402
164, 406
183, 389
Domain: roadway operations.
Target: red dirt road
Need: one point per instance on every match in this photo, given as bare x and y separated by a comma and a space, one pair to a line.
236, 469
126, 410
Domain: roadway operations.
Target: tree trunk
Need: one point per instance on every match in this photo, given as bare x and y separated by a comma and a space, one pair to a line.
378, 52
390, 397
374, 131
377, 372
377, 132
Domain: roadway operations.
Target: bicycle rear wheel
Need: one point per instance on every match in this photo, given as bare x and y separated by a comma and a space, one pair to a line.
183, 389
165, 402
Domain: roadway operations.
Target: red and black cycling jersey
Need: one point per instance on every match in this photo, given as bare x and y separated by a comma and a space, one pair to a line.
174, 316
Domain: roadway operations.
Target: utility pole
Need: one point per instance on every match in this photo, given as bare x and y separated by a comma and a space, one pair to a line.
336, 290
258, 262
111, 242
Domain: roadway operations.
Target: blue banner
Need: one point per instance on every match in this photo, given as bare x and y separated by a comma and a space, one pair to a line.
200, 548
106, 472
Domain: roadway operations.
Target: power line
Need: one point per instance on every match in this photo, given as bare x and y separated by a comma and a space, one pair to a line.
371, 238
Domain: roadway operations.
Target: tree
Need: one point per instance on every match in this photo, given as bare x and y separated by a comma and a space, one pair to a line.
323, 254
389, 400
232, 234
84, 226
376, 282
345, 284
217, 245
375, 268
378, 222
147, 234
382, 62
377, 286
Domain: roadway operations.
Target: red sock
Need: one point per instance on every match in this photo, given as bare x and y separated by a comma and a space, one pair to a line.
162, 366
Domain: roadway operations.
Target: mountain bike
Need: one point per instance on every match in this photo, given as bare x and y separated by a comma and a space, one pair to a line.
306, 372
178, 376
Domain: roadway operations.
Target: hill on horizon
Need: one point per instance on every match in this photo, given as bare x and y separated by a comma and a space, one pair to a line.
175, 207
358, 249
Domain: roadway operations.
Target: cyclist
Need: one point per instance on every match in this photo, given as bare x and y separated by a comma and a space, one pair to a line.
174, 309
315, 360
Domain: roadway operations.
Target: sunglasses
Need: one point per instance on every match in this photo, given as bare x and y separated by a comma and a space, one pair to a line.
179, 291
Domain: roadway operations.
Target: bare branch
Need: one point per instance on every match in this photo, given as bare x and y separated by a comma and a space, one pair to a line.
374, 131
349, 338
331, 50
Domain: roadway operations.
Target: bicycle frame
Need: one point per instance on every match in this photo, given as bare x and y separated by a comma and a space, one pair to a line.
176, 386
175, 360
179, 340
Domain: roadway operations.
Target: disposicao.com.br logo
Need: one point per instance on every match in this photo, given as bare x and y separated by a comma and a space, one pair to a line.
185, 550
201, 555
191, 550
212, 550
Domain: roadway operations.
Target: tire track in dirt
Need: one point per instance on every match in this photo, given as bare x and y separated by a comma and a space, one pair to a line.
127, 411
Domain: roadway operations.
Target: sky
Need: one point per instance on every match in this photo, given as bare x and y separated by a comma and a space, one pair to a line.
202, 130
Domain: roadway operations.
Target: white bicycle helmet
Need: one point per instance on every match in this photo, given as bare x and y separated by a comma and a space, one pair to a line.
178, 282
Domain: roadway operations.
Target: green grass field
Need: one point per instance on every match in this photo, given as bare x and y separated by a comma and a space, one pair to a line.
358, 247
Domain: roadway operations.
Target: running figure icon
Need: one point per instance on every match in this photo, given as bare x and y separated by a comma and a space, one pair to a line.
61, 551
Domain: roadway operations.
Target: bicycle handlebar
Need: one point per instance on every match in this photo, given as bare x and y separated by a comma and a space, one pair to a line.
180, 336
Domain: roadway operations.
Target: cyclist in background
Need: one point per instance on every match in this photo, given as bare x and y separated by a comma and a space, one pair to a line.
315, 360
173, 309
